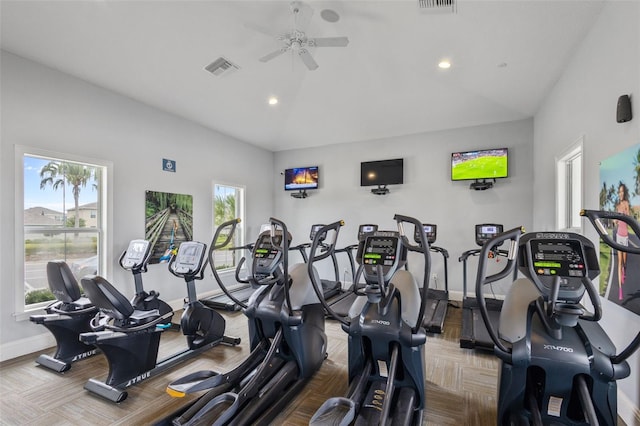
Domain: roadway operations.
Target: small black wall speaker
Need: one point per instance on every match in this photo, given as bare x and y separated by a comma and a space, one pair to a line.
623, 113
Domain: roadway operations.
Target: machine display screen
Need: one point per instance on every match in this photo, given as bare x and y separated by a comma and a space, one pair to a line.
380, 251
190, 255
314, 230
136, 252
265, 249
430, 231
556, 258
485, 232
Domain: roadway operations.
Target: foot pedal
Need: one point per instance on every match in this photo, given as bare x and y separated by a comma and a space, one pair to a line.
334, 412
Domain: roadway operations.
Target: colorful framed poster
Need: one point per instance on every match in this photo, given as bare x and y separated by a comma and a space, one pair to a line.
168, 222
620, 191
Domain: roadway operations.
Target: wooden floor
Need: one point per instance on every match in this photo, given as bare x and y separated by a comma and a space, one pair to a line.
461, 384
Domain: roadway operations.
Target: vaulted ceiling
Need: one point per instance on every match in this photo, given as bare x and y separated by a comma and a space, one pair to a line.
505, 58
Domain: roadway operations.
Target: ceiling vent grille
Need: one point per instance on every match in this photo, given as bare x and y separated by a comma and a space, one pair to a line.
446, 6
221, 66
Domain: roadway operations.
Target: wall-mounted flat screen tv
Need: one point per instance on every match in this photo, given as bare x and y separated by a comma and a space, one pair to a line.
480, 164
379, 173
300, 178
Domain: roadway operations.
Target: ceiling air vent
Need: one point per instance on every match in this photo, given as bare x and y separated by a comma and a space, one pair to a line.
445, 6
221, 66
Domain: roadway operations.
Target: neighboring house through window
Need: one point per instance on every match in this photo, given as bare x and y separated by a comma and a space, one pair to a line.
62, 201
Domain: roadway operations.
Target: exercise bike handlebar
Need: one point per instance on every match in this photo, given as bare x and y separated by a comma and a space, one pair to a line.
141, 268
198, 275
513, 236
595, 217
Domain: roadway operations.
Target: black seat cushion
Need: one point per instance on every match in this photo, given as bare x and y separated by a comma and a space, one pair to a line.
106, 297
62, 283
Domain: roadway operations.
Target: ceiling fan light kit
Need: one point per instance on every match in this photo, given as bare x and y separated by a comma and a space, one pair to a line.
297, 41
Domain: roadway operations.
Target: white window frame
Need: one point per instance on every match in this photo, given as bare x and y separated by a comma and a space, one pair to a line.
105, 197
241, 209
570, 186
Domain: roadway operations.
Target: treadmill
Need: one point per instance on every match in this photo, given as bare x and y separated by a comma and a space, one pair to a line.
474, 333
243, 292
438, 300
342, 304
330, 288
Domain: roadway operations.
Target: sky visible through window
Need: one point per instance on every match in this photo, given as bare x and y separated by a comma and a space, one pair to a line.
48, 197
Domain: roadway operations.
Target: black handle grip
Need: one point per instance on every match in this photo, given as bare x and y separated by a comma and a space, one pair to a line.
596, 216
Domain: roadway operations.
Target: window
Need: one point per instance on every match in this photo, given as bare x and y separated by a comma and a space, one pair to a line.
57, 192
569, 187
228, 203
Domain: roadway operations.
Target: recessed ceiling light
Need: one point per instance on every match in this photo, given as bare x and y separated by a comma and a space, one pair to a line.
444, 64
273, 100
330, 15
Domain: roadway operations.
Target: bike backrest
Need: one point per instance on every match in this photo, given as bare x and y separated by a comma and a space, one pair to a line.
106, 297
62, 283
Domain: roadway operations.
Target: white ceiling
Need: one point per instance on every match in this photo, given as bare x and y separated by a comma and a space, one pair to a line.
385, 83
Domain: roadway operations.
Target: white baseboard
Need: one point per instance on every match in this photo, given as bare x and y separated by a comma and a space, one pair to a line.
26, 346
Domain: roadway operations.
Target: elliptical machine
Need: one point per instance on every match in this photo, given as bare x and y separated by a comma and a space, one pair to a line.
130, 337
557, 365
386, 338
65, 318
287, 339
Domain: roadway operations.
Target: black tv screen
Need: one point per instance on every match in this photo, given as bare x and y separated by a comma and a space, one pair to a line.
385, 172
300, 178
480, 164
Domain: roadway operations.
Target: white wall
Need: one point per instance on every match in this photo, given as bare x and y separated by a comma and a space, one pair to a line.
46, 109
583, 102
427, 194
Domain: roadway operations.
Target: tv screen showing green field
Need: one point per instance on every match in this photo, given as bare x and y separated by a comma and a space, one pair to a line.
482, 164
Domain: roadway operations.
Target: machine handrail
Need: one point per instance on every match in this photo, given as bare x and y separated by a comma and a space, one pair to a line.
514, 236
313, 258
230, 223
420, 247
595, 217
284, 249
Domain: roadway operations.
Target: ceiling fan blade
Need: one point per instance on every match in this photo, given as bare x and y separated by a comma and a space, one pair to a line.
274, 54
329, 41
307, 59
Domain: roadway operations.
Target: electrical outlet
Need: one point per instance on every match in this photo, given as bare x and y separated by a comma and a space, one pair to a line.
434, 277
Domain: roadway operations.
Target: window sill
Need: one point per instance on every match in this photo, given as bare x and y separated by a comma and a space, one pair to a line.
24, 316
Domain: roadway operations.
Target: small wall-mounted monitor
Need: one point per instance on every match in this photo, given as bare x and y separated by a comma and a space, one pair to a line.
481, 164
381, 173
301, 178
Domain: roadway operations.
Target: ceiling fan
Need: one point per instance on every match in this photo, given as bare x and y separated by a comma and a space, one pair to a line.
298, 42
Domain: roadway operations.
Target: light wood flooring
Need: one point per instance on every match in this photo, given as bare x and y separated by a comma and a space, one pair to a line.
461, 383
